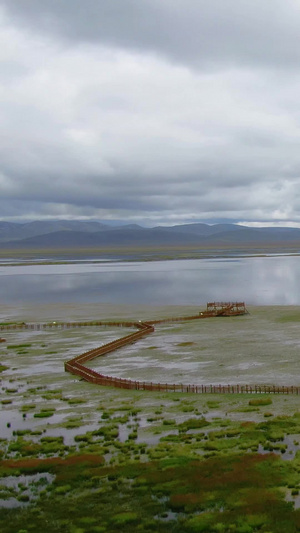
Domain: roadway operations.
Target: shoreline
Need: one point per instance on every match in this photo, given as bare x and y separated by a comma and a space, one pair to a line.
142, 259
92, 311
142, 254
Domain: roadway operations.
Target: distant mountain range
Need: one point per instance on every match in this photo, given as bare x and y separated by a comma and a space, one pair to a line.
73, 234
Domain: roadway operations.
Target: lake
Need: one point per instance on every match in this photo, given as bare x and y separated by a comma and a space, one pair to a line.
271, 280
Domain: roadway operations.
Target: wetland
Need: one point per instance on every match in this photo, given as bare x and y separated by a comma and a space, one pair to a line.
83, 458
79, 458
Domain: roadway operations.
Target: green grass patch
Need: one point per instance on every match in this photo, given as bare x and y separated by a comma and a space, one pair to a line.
122, 519
290, 317
75, 401
44, 413
211, 404
187, 343
246, 409
18, 346
28, 407
193, 423
73, 423
169, 422
11, 323
260, 401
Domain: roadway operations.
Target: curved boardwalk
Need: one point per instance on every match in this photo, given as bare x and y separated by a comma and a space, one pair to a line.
76, 365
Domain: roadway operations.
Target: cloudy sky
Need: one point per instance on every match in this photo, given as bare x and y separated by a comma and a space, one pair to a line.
150, 111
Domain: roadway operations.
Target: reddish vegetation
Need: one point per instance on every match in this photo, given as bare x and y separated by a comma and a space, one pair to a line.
52, 461
243, 490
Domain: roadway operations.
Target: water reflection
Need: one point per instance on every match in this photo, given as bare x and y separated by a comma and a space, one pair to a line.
257, 280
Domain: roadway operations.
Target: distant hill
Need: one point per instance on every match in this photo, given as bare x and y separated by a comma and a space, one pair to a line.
113, 237
10, 231
85, 234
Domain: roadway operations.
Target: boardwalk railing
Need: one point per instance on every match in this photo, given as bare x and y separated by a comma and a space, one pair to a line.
64, 325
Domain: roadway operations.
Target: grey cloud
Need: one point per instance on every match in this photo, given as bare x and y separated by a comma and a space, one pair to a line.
109, 110
198, 33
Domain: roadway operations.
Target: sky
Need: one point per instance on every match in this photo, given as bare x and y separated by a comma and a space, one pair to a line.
150, 111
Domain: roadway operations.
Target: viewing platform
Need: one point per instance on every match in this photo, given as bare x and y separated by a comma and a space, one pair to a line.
225, 309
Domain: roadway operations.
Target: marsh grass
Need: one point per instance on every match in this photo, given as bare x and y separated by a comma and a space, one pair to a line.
260, 401
166, 479
197, 494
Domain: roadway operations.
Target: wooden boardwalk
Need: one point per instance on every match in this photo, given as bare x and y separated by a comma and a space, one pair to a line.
76, 365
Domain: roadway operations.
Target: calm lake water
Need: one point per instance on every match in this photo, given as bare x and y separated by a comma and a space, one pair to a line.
271, 280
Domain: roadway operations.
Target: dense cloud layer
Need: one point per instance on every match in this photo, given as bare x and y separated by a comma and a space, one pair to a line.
156, 111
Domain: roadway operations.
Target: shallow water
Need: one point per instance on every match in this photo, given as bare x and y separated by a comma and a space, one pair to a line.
29, 485
215, 354
272, 280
